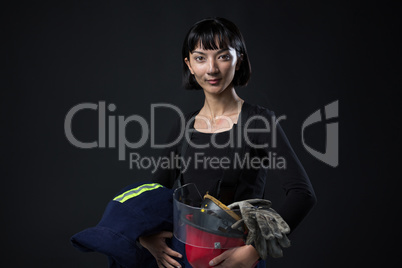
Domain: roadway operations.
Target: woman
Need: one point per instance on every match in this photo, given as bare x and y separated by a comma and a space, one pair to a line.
215, 60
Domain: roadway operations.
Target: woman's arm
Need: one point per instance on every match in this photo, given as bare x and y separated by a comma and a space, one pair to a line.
299, 193
240, 257
167, 176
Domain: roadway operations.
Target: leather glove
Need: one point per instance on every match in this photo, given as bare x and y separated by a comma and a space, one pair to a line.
266, 228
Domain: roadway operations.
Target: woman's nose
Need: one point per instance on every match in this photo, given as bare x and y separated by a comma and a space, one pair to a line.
212, 67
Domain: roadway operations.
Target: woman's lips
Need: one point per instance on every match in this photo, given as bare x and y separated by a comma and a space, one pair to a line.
213, 81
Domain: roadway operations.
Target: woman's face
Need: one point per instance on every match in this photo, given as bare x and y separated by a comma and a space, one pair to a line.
213, 69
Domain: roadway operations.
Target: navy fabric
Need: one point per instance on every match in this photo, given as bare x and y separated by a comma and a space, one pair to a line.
123, 223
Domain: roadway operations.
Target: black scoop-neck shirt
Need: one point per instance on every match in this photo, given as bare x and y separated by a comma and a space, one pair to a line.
240, 171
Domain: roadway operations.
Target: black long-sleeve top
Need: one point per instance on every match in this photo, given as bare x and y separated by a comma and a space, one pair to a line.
256, 149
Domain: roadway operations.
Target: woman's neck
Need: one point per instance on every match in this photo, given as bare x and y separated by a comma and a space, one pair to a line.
225, 104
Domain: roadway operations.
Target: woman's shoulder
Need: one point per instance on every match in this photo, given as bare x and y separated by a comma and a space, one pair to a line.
183, 117
181, 121
189, 115
251, 109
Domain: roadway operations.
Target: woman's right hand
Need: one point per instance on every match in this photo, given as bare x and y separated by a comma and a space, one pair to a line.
156, 244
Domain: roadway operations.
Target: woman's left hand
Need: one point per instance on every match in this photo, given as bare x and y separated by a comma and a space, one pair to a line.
240, 257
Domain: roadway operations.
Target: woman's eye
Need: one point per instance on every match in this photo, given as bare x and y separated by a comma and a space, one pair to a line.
225, 57
199, 58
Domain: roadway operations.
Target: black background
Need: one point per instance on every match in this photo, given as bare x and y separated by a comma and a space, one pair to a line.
304, 55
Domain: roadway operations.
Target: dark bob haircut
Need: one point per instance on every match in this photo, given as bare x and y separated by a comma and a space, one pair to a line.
215, 33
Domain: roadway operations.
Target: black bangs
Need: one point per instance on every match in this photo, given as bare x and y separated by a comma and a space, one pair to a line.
209, 36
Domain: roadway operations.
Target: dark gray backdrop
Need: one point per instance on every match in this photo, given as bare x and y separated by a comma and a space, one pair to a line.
304, 55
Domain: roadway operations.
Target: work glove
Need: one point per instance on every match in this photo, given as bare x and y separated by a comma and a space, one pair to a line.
266, 228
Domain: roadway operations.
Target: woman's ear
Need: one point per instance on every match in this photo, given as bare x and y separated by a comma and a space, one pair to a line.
188, 65
239, 61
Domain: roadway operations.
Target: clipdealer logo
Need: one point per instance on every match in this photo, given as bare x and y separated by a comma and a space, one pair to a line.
331, 154
107, 129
